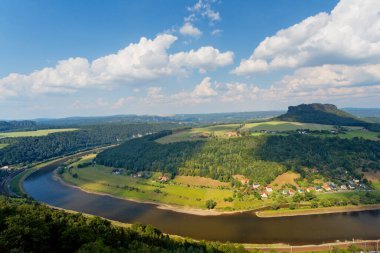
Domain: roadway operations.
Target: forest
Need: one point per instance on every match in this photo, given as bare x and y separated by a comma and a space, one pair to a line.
27, 226
30, 149
260, 158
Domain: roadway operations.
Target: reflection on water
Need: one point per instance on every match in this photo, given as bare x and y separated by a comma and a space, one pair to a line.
242, 227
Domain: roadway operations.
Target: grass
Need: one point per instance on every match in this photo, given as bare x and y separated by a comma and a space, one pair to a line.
35, 133
256, 128
3, 145
376, 185
16, 182
282, 126
194, 133
182, 191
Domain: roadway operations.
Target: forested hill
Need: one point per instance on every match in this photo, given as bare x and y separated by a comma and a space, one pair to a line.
17, 125
327, 114
260, 158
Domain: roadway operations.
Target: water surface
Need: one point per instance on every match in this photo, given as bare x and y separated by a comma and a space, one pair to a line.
242, 227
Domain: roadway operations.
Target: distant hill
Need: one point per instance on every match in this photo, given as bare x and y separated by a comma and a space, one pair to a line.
327, 114
17, 125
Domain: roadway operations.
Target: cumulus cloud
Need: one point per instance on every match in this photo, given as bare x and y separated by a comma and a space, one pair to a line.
202, 93
189, 30
146, 60
205, 58
350, 34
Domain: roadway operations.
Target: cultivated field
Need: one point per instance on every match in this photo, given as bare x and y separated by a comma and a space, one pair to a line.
285, 178
35, 133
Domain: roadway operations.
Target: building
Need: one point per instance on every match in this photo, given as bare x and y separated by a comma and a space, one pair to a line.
163, 179
232, 134
300, 191
244, 181
264, 195
116, 171
318, 189
5, 167
343, 187
269, 189
255, 186
291, 192
309, 189
326, 187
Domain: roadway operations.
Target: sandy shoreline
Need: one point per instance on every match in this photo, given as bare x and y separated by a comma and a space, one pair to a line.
327, 210
260, 214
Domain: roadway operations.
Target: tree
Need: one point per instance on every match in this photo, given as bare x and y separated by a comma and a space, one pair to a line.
210, 204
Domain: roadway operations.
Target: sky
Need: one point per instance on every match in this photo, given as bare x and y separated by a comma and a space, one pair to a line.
92, 58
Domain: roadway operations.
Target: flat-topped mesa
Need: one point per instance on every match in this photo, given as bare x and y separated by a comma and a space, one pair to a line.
327, 114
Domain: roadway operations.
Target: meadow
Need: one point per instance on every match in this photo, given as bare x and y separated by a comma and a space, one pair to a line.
185, 191
3, 145
35, 133
258, 128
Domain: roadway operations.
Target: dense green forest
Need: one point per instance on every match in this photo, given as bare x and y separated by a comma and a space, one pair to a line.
30, 149
27, 226
260, 158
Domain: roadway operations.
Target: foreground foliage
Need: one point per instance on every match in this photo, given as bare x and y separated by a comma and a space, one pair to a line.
30, 227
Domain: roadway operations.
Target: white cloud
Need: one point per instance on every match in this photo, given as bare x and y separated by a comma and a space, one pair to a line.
146, 60
121, 102
189, 30
205, 58
350, 34
204, 9
202, 93
216, 32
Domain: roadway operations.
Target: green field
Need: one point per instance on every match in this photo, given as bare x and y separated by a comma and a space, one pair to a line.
195, 133
257, 128
376, 185
100, 179
35, 133
282, 126
3, 145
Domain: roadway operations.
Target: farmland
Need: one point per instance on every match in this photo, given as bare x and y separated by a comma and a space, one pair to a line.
35, 133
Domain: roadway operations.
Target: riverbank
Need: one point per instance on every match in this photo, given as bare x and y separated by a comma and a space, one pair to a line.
313, 211
162, 206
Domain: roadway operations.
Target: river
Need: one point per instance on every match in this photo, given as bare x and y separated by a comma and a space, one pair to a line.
241, 227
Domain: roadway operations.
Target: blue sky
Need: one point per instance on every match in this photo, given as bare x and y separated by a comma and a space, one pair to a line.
66, 58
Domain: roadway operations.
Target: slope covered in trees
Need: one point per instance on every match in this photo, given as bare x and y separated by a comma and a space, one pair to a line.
30, 149
260, 158
30, 227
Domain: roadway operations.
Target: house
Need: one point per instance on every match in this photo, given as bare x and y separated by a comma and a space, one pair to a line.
140, 174
232, 134
5, 167
285, 192
300, 191
332, 186
291, 192
116, 171
269, 189
326, 187
163, 179
264, 195
343, 187
318, 189
309, 189
351, 186
244, 181
255, 186
356, 181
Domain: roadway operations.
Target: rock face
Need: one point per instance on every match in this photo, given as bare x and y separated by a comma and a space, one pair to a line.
322, 114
